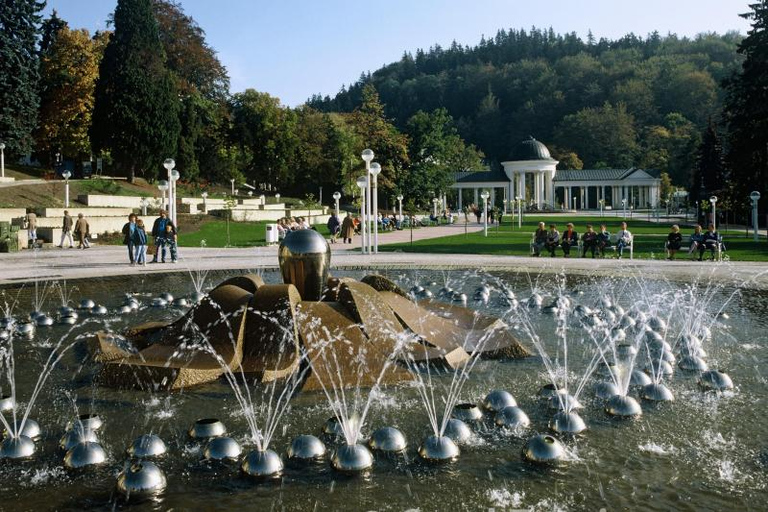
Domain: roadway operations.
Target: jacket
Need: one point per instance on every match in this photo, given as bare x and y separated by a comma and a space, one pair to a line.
333, 224
571, 238
82, 227
127, 232
139, 236
159, 227
66, 226
347, 228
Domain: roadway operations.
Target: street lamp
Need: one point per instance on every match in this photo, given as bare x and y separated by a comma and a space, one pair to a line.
755, 197
375, 170
434, 206
2, 160
277, 198
485, 195
336, 197
519, 212
204, 195
362, 182
713, 200
66, 175
400, 202
172, 195
144, 203
367, 157
163, 186
232, 181
624, 207
169, 164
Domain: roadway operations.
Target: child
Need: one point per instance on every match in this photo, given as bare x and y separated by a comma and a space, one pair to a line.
140, 243
169, 240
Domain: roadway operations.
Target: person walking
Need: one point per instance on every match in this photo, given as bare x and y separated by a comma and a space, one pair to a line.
348, 228
128, 230
66, 231
82, 232
31, 222
158, 231
139, 241
333, 227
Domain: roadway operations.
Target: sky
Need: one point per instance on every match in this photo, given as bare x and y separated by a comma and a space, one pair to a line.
293, 49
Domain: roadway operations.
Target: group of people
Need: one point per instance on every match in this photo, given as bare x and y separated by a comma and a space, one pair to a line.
163, 233
70, 230
700, 242
594, 242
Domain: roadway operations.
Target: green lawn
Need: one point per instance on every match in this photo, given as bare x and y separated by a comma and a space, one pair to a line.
241, 234
509, 240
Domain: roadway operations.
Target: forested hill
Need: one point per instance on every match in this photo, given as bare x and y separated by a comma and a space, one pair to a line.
633, 101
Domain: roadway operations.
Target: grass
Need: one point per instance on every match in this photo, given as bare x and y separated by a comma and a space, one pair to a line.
213, 233
508, 240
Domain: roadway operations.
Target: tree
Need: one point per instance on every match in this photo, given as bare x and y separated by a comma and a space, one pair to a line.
746, 109
708, 176
436, 153
49, 29
604, 134
136, 112
379, 134
70, 67
19, 76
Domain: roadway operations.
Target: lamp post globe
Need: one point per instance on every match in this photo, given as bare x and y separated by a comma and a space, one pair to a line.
336, 197
169, 164
66, 175
367, 155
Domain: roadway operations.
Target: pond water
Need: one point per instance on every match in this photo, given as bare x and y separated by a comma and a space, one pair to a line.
702, 452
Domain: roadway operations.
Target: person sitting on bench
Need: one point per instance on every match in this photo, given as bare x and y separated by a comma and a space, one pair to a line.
553, 239
570, 239
539, 239
697, 240
623, 239
589, 242
711, 242
603, 240
674, 241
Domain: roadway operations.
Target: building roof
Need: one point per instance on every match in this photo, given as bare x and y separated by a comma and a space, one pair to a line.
600, 174
530, 149
481, 176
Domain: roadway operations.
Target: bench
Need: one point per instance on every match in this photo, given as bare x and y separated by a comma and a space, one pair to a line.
532, 248
686, 243
615, 248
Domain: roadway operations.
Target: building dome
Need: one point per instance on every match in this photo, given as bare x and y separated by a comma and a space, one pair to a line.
530, 149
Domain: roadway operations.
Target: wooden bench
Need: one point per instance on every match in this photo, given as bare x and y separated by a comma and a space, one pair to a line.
718, 253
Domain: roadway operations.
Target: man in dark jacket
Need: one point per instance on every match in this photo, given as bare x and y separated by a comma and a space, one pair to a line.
570, 238
66, 230
128, 230
158, 232
333, 227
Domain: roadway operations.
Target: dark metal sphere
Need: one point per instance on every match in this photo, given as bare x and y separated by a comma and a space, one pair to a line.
714, 380
25, 329
606, 368
181, 302
550, 310
197, 297
535, 301
306, 447
157, 302
207, 428
33, 316
66, 311
457, 430
567, 423
333, 427
146, 446
550, 390
7, 322
88, 421
544, 449
657, 393
459, 297
75, 436
140, 479
627, 322
262, 464
657, 324
99, 310
693, 363
467, 412
4, 335
87, 304
622, 406
605, 390
439, 449
31, 429
498, 399
625, 351
388, 439
305, 258
167, 297
20, 447
664, 367
563, 402
124, 310
446, 291
44, 321
638, 378
352, 458
6, 403
222, 448
132, 303
68, 320
692, 350
513, 418
85, 454
663, 355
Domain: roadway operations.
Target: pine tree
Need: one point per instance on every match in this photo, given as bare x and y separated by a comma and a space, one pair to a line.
709, 174
746, 110
136, 113
19, 74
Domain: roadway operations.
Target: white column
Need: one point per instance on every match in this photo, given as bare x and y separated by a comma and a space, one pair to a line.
568, 198
475, 202
459, 202
550, 188
522, 186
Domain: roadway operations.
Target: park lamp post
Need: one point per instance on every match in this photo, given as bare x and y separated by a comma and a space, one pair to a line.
375, 170
143, 203
172, 196
162, 185
367, 156
755, 197
277, 197
232, 183
713, 200
485, 195
169, 164
336, 197
400, 206
519, 201
2, 160
602, 202
66, 175
624, 207
204, 195
434, 206
362, 182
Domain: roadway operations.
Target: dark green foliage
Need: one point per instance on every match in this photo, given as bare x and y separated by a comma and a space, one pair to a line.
746, 111
709, 173
538, 83
49, 29
136, 113
19, 73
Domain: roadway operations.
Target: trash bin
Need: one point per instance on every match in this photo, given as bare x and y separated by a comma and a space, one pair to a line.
272, 234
